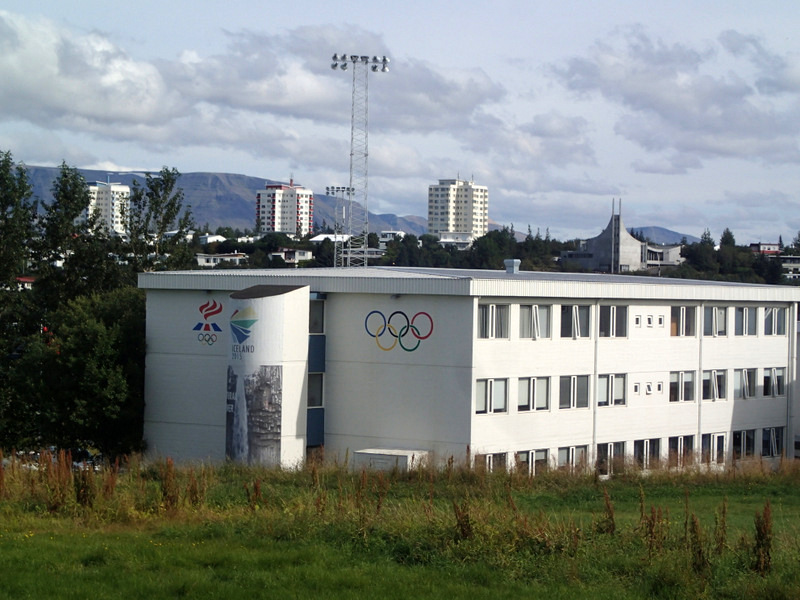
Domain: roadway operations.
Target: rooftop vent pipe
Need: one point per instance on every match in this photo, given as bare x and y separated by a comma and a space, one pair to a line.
512, 265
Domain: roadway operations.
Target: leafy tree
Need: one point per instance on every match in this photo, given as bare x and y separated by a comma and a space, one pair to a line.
155, 210
706, 238
72, 251
17, 213
80, 383
727, 238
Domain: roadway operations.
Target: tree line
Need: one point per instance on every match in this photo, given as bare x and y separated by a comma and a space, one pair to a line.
72, 346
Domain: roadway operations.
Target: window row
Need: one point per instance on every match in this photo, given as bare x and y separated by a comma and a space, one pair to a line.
533, 393
681, 451
535, 321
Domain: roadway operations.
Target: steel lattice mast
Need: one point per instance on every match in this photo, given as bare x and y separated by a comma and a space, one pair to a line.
355, 221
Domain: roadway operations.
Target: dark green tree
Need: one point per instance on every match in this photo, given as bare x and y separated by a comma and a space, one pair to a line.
155, 211
17, 212
80, 382
727, 238
706, 239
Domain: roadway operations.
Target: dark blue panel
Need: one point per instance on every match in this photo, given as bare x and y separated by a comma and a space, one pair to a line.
315, 427
316, 354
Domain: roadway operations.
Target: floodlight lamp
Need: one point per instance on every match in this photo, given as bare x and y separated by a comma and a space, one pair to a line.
334, 65
365, 59
335, 58
375, 59
353, 58
374, 68
385, 60
385, 69
343, 66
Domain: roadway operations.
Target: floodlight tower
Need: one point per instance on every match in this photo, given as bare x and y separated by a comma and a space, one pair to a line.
356, 222
342, 195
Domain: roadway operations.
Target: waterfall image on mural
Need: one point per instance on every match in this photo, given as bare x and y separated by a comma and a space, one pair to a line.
254, 411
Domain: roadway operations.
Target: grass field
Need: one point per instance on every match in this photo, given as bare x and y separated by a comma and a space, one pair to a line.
157, 531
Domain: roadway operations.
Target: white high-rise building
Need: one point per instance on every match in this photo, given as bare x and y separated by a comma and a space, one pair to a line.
457, 207
110, 201
285, 208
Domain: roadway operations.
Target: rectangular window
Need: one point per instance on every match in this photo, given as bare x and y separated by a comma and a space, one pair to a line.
491, 395
533, 394
613, 321
573, 391
532, 462
744, 444
745, 320
575, 321
493, 321
714, 385
772, 441
681, 451
572, 458
316, 316
744, 383
611, 390
314, 390
647, 453
713, 448
774, 321
682, 321
534, 321
681, 386
774, 381
715, 321
610, 457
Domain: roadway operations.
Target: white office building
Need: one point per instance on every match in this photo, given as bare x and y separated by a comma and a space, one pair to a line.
110, 202
529, 369
285, 208
457, 208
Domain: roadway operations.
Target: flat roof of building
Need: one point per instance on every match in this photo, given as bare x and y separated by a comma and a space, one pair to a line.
464, 282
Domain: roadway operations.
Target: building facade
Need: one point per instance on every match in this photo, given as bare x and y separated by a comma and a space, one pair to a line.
527, 369
286, 209
110, 202
617, 251
458, 207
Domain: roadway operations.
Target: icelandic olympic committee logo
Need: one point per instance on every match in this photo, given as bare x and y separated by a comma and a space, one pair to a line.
207, 331
401, 330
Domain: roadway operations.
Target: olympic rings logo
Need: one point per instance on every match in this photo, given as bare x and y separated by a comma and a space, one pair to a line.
399, 327
208, 338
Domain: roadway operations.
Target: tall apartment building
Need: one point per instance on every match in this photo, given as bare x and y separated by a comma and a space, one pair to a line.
285, 208
458, 207
110, 201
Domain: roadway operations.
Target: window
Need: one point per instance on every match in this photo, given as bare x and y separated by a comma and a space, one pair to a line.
532, 462
610, 390
681, 386
534, 321
745, 320
635, 388
492, 321
637, 320
774, 321
715, 321
681, 450
572, 457
647, 453
744, 443
774, 381
573, 391
316, 316
744, 383
713, 385
534, 394
575, 321
314, 390
713, 448
610, 457
682, 321
772, 441
491, 396
613, 321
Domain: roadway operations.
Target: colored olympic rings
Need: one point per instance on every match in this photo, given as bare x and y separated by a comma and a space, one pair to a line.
399, 326
208, 338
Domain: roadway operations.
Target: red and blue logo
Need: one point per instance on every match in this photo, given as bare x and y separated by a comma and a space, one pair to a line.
207, 330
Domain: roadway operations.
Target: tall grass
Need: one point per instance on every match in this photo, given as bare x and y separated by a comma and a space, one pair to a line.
557, 529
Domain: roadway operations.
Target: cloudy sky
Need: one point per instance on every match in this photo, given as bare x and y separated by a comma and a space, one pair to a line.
687, 111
